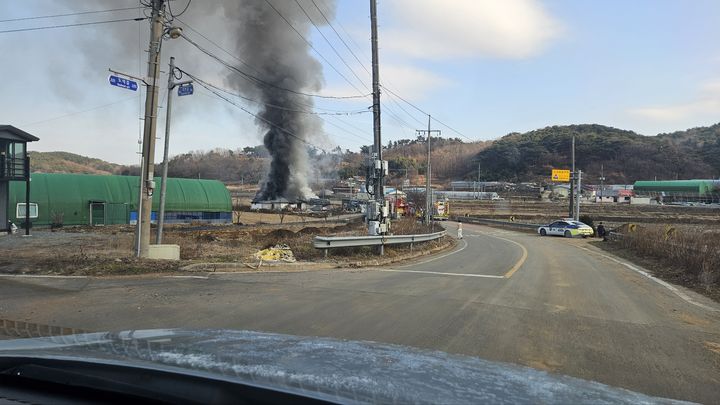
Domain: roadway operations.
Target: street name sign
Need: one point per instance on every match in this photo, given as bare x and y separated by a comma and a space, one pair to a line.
185, 89
124, 83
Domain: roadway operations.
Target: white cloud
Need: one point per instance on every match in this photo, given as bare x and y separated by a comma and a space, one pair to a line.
411, 82
705, 106
407, 80
431, 29
692, 110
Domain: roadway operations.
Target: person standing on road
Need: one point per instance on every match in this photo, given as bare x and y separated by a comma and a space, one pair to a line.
601, 232
460, 230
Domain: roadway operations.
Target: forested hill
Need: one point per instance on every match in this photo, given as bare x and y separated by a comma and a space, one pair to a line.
625, 155
66, 162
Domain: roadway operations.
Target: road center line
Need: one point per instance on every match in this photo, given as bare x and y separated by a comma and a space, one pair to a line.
519, 263
439, 273
465, 244
663, 283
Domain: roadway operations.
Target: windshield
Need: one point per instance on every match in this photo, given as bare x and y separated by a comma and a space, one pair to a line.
527, 185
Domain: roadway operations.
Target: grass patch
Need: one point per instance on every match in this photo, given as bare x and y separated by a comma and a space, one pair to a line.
689, 257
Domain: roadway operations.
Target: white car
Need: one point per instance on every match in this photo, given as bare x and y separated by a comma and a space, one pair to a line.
566, 227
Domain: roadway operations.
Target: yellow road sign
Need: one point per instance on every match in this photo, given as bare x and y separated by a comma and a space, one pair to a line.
560, 175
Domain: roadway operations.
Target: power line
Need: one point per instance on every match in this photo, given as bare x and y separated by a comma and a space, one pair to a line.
258, 81
327, 20
331, 45
279, 107
335, 114
179, 14
232, 55
340, 37
208, 86
71, 25
404, 110
392, 113
68, 14
78, 112
353, 133
425, 113
311, 46
396, 117
268, 122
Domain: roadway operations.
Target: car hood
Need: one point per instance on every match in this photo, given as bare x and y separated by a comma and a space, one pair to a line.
342, 371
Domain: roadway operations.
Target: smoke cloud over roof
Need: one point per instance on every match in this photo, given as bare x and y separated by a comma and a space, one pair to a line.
277, 55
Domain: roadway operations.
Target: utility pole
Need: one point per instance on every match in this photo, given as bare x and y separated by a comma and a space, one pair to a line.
147, 183
428, 181
577, 198
379, 194
572, 181
168, 110
377, 210
428, 171
602, 182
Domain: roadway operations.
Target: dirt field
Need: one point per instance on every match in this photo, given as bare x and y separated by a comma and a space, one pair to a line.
108, 250
611, 214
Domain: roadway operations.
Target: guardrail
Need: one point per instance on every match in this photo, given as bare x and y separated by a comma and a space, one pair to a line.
330, 242
472, 220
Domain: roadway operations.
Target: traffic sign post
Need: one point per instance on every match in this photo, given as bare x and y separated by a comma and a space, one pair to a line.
185, 88
562, 176
122, 82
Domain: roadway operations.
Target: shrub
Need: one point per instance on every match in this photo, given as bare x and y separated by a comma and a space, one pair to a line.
694, 250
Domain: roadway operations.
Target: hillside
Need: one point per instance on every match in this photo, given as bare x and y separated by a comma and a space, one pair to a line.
66, 162
625, 155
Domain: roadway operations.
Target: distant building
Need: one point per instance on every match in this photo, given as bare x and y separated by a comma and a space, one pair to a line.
14, 168
560, 190
279, 204
83, 199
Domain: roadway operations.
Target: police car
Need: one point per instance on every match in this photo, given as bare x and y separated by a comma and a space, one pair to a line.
566, 227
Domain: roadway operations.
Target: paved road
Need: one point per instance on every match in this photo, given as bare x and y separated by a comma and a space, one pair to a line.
550, 303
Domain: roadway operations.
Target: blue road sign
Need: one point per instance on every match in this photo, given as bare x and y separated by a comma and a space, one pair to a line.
185, 89
124, 83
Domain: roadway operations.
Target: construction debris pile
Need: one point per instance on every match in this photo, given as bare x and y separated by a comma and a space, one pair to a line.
277, 253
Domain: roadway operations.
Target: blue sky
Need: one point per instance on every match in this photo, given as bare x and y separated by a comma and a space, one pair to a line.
486, 68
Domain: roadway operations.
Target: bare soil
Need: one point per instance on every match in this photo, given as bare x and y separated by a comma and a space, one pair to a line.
108, 250
610, 214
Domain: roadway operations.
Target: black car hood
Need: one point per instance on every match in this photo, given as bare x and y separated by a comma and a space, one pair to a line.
342, 371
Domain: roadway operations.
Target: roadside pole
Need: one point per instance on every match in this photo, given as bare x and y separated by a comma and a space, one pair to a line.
147, 184
163, 187
577, 198
571, 209
428, 180
428, 171
602, 182
377, 215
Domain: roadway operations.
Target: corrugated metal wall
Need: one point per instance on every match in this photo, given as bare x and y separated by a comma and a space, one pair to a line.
69, 196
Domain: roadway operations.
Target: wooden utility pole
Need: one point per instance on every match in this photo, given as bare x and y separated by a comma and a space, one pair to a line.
428, 171
147, 182
377, 146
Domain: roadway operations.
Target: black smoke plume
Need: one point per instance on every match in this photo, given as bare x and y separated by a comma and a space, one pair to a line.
278, 56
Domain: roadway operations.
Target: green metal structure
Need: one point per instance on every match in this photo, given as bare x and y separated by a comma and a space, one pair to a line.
673, 187
82, 199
